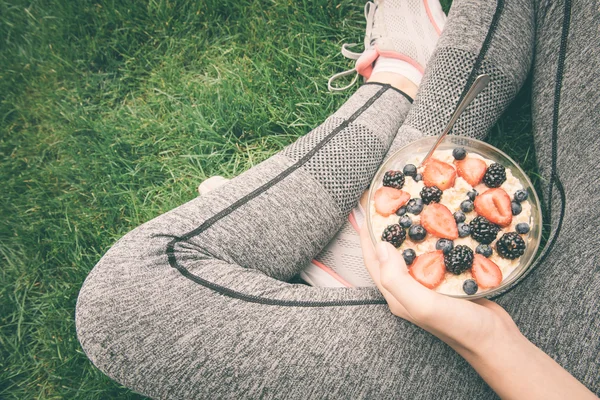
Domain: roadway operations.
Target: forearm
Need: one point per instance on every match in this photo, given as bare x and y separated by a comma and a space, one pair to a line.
516, 369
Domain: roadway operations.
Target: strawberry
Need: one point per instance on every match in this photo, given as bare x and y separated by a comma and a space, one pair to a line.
471, 170
438, 173
486, 272
439, 221
428, 269
494, 204
388, 200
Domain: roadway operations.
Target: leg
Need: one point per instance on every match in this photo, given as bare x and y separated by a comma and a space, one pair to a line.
562, 316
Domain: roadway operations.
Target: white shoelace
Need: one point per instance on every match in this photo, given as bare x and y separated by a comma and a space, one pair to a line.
370, 8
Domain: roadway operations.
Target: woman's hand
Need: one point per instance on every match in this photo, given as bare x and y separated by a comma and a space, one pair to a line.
461, 324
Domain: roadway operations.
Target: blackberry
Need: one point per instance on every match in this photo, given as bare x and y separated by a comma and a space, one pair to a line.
485, 250
522, 228
410, 170
444, 245
483, 230
467, 206
459, 216
464, 230
431, 194
401, 211
521, 195
459, 259
394, 234
470, 286
405, 221
418, 177
409, 256
414, 206
516, 208
495, 175
393, 179
510, 246
417, 233
459, 153
472, 194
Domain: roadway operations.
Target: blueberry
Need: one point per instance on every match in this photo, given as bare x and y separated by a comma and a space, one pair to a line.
516, 208
472, 194
417, 233
459, 153
414, 206
459, 217
485, 250
409, 256
401, 211
405, 221
466, 206
521, 195
444, 245
522, 228
418, 178
470, 286
464, 230
409, 170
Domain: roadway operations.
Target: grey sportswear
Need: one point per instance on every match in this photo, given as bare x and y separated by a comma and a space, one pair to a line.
195, 303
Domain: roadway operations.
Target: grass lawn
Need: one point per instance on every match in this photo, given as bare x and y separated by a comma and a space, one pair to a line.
112, 113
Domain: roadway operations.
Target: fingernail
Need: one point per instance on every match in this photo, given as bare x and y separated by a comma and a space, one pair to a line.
382, 252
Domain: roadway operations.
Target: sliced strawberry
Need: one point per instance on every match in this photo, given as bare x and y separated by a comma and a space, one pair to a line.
439, 221
486, 272
494, 204
471, 170
388, 200
429, 269
438, 173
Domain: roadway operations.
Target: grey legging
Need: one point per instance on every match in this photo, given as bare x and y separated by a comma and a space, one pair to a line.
194, 303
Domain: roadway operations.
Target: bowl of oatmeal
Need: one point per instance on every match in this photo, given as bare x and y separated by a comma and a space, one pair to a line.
468, 222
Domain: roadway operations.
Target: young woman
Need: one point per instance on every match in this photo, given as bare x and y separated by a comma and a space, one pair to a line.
195, 303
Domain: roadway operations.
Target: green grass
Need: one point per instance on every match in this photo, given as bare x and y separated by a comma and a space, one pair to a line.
111, 113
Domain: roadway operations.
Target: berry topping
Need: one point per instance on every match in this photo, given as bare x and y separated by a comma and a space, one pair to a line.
459, 153
459, 217
405, 221
485, 250
401, 211
483, 230
464, 230
470, 286
494, 204
409, 256
438, 221
486, 272
393, 179
414, 206
418, 177
394, 234
444, 245
431, 194
410, 170
521, 195
495, 175
440, 174
471, 170
417, 233
428, 269
459, 259
510, 246
466, 206
388, 200
516, 208
522, 228
472, 194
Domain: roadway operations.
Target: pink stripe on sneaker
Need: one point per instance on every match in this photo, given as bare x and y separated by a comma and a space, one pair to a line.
430, 15
332, 273
398, 56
